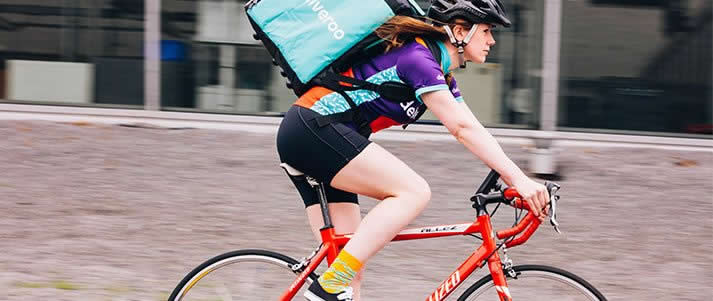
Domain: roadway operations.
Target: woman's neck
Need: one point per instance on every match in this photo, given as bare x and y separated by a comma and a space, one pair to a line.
453, 54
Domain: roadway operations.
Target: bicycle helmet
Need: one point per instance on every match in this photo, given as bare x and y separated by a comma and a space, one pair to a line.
474, 11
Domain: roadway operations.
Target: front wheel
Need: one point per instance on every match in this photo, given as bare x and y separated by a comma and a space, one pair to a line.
239, 275
536, 282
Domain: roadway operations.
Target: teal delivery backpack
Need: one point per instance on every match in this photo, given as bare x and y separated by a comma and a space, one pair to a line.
313, 41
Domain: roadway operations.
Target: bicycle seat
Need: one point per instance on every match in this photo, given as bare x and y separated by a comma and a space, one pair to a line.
291, 170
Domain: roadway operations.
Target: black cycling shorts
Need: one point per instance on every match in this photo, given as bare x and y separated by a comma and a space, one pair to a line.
320, 152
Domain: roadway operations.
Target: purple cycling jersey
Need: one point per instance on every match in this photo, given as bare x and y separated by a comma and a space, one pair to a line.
412, 64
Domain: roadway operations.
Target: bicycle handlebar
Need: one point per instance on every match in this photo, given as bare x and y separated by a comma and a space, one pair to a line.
529, 223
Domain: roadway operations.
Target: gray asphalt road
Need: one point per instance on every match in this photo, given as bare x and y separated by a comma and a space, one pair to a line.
104, 212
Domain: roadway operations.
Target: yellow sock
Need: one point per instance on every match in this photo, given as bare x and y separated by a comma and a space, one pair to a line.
340, 274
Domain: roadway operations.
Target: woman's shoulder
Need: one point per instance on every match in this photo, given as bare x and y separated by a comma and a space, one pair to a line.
415, 52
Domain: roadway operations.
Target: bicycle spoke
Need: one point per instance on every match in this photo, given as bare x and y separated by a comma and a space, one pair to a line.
242, 278
537, 285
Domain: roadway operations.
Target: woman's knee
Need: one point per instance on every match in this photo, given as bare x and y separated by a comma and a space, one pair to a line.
422, 193
417, 193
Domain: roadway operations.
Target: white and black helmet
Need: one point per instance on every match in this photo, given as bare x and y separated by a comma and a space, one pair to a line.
473, 11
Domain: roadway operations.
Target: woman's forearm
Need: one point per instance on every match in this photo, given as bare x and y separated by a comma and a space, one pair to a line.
481, 143
463, 124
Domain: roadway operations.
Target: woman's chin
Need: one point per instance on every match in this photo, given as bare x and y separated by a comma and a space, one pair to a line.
479, 60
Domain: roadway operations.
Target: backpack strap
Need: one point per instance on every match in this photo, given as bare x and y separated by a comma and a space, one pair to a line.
437, 54
390, 90
434, 48
332, 81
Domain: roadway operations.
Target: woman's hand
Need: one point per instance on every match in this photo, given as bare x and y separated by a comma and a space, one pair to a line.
535, 194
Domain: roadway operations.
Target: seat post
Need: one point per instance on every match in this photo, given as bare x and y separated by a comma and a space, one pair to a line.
322, 195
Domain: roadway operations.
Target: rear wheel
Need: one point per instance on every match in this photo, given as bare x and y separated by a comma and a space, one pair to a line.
239, 275
536, 282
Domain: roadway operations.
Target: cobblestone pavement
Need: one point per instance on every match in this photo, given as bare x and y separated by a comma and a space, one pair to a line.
105, 212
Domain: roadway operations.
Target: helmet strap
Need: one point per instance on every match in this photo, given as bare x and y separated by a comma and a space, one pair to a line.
460, 44
461, 57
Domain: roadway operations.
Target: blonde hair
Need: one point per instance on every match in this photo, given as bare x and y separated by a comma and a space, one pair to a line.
401, 29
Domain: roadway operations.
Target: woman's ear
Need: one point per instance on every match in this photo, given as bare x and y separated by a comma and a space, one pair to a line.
459, 31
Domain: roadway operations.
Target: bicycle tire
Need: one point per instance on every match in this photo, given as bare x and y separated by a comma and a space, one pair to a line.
533, 271
262, 257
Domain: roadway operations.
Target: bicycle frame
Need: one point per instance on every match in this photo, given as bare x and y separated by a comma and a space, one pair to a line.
333, 243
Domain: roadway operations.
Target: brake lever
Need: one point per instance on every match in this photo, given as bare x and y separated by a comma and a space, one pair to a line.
553, 217
553, 188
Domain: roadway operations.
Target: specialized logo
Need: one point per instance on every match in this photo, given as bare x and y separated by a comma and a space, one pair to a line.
446, 287
324, 16
411, 112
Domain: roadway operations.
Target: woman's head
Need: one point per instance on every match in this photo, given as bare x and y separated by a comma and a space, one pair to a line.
466, 24
474, 20
480, 41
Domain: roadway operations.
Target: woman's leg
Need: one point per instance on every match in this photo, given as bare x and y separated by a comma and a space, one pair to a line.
346, 218
378, 174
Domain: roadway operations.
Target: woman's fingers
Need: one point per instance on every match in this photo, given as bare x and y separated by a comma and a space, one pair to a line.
534, 205
538, 202
543, 200
536, 196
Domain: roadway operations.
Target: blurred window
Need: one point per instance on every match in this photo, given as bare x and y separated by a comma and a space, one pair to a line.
85, 53
636, 66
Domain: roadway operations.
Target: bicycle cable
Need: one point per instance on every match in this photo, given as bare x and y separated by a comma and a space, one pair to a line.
491, 215
476, 236
495, 210
518, 214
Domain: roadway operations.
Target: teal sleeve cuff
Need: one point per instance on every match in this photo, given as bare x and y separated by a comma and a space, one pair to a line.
420, 91
460, 99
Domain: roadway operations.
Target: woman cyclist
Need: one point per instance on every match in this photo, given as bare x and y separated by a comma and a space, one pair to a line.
337, 154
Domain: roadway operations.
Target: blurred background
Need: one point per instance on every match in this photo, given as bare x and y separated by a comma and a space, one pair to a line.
122, 211
621, 65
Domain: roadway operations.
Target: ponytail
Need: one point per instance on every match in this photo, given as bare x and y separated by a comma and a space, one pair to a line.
401, 29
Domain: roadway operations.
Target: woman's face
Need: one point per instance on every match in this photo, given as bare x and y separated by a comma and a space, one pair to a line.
479, 46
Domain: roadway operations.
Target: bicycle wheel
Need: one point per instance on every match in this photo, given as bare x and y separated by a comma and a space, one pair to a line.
239, 275
536, 282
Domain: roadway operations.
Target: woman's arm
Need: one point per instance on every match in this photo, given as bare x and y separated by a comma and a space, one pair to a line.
465, 127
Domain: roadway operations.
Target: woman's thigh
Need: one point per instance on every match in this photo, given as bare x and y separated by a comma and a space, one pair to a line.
319, 151
378, 174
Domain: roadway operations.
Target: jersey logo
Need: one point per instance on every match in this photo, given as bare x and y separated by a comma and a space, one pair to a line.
440, 77
411, 112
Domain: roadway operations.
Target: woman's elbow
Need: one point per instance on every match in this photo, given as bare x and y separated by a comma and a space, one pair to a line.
461, 130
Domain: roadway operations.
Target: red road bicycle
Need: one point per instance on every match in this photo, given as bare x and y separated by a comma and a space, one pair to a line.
265, 275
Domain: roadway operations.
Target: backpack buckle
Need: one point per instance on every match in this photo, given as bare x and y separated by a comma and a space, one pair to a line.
395, 90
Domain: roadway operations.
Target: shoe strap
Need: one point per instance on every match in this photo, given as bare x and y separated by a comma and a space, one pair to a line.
347, 294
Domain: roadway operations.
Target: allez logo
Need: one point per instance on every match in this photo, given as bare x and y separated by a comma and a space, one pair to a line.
324, 16
439, 229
